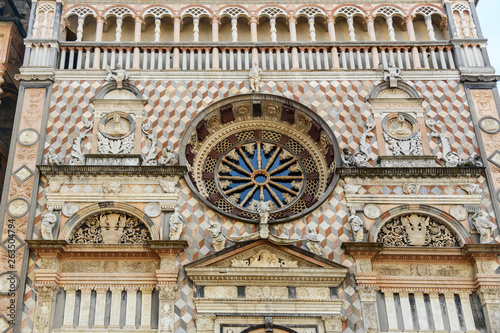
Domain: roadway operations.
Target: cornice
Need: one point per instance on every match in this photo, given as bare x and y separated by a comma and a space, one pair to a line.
420, 172
100, 170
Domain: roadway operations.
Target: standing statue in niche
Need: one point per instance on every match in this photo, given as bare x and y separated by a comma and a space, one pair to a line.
255, 75
483, 225
119, 75
356, 226
176, 224
48, 222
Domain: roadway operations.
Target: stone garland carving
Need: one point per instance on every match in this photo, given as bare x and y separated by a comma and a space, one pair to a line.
452, 159
416, 230
264, 258
176, 224
357, 226
111, 228
361, 158
483, 225
150, 158
48, 222
76, 156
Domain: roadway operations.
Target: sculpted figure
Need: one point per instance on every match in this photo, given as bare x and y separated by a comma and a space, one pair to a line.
176, 224
313, 241
483, 225
167, 157
119, 75
391, 74
114, 127
255, 76
52, 159
48, 222
399, 129
472, 161
356, 226
358, 160
218, 240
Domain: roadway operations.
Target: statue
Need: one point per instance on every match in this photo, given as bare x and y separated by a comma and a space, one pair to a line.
471, 161
114, 126
255, 76
48, 222
313, 241
176, 224
358, 160
262, 207
218, 240
52, 159
119, 75
483, 225
399, 129
167, 157
356, 226
391, 74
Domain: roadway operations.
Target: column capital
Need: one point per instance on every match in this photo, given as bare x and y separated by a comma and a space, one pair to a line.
369, 18
167, 292
333, 323
367, 293
291, 18
100, 19
330, 18
253, 19
138, 19
214, 19
409, 18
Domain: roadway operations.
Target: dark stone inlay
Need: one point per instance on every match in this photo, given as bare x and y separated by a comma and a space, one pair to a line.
257, 110
288, 114
201, 130
315, 131
304, 154
226, 114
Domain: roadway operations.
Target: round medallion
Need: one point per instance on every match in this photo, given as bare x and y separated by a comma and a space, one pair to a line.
116, 125
69, 208
152, 209
9, 282
28, 137
372, 212
262, 149
459, 212
489, 125
400, 126
18, 207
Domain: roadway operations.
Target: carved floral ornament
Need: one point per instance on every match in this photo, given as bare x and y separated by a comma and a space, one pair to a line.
415, 229
111, 228
241, 150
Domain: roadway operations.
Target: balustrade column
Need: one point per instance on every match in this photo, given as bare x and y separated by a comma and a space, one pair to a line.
335, 58
177, 38
215, 38
312, 29
331, 28
98, 38
79, 29
292, 24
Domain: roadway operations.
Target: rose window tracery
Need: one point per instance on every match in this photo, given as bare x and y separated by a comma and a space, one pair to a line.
242, 153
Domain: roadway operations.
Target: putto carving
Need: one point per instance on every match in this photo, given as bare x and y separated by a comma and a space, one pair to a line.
48, 222
111, 187
416, 230
176, 224
263, 258
255, 75
357, 226
52, 159
472, 188
115, 134
411, 188
218, 240
150, 158
169, 185
313, 242
167, 157
76, 157
111, 228
118, 75
361, 158
483, 225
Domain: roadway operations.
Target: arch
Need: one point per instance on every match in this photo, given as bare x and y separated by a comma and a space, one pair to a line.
401, 85
46, 8
256, 328
386, 11
272, 11
81, 11
310, 11
426, 10
196, 11
349, 11
232, 12
120, 11
106, 89
79, 217
460, 8
442, 217
277, 117
157, 12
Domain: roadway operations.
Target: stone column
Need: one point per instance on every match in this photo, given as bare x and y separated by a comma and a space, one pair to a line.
371, 35
167, 295
116, 298
69, 307
137, 39
333, 324
205, 323
330, 20
215, 38
391, 311
98, 38
436, 311
368, 297
45, 301
409, 27
177, 38
292, 24
83, 323
423, 321
406, 310
467, 310
131, 306
146, 307
490, 300
254, 21
100, 306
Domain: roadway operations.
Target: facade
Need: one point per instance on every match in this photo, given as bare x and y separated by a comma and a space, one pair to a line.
251, 166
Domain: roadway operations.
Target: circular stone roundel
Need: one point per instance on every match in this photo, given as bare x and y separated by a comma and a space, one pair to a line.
253, 148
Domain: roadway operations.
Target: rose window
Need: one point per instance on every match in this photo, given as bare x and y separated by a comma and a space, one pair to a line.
246, 152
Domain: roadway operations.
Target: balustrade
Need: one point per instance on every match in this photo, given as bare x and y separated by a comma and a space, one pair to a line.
438, 56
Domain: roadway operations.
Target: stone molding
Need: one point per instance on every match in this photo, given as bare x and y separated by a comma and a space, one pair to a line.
101, 170
426, 172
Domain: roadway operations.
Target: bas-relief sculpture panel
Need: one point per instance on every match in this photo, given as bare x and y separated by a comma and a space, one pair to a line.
109, 266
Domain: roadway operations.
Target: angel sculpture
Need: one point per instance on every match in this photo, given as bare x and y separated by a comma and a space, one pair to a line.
119, 75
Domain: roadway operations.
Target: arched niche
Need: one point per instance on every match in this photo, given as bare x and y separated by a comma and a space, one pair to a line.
424, 221
79, 219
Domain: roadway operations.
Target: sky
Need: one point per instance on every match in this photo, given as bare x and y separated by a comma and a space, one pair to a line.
488, 11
